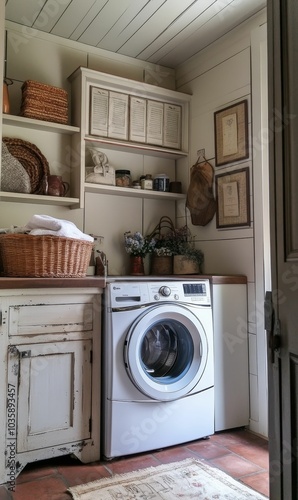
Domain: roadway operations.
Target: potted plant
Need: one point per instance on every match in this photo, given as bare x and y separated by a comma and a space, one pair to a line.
177, 246
189, 260
162, 255
186, 258
137, 246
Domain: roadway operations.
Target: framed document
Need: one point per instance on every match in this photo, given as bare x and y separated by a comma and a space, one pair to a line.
137, 123
231, 134
99, 111
233, 199
172, 126
155, 112
118, 116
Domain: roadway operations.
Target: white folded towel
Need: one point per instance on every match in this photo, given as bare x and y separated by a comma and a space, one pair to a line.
45, 224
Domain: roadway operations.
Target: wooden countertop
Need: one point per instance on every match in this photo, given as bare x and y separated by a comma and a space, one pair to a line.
100, 281
88, 281
234, 279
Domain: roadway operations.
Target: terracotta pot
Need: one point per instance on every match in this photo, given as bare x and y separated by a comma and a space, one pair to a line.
136, 265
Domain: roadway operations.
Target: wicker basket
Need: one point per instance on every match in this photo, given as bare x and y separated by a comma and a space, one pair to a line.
25, 255
44, 102
32, 159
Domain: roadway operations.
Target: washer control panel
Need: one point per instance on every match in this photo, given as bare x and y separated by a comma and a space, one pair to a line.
123, 294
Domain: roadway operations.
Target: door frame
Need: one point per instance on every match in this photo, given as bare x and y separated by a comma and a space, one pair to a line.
260, 156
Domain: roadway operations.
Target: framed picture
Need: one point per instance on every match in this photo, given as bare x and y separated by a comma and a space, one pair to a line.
231, 134
233, 199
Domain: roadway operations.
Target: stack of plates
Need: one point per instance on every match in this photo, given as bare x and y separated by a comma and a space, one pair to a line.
32, 159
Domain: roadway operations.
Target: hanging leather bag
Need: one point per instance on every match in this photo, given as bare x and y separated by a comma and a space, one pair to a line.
200, 199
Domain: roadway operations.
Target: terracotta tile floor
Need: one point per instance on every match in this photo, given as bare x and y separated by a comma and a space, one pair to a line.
239, 453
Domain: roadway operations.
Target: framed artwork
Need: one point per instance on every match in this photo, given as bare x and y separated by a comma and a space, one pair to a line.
233, 199
231, 134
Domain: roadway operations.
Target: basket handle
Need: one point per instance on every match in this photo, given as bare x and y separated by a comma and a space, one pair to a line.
165, 222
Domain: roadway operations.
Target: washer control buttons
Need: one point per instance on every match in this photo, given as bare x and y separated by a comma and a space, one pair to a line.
156, 297
176, 296
165, 291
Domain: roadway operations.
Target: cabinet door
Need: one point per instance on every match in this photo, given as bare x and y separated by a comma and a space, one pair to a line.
54, 393
35, 319
231, 382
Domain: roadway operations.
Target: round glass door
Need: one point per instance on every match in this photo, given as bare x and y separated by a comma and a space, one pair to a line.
165, 352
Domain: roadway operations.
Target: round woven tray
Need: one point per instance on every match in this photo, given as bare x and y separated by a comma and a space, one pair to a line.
46, 256
32, 159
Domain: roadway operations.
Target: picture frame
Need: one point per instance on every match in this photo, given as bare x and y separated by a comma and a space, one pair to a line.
231, 133
233, 199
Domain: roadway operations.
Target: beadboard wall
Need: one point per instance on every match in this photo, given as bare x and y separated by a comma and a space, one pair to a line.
218, 77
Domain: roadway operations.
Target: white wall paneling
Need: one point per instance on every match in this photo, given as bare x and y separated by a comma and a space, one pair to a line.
217, 77
110, 216
18, 214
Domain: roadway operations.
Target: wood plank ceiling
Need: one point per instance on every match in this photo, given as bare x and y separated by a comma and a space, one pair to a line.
165, 32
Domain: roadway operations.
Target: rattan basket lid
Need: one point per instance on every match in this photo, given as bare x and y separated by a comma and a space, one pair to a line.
32, 159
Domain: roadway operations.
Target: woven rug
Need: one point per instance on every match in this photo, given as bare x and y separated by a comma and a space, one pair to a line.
179, 480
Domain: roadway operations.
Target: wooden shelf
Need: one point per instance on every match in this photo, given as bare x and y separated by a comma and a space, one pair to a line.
21, 121
40, 199
133, 147
131, 192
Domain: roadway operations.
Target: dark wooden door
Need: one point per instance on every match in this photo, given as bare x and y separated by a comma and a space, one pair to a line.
281, 305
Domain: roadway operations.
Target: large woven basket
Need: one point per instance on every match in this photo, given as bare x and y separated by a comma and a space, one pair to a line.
25, 255
44, 102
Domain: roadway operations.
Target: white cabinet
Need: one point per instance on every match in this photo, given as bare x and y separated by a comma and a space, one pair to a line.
231, 379
50, 376
53, 408
83, 80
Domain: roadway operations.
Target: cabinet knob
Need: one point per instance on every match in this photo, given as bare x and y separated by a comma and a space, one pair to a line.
25, 354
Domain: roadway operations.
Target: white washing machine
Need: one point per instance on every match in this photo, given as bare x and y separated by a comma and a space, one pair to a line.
158, 369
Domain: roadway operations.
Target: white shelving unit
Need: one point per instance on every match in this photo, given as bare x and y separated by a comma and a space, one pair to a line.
29, 129
65, 146
82, 80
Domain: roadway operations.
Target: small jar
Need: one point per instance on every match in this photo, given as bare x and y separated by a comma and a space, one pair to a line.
161, 182
123, 178
147, 182
136, 185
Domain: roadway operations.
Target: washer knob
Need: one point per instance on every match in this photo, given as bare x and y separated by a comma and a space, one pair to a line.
165, 291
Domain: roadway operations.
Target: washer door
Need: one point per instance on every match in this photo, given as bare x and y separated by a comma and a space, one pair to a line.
166, 351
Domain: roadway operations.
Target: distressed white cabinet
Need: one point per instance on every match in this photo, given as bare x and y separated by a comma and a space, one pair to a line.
50, 375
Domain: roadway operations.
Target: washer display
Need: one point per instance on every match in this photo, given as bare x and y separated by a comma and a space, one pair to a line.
158, 373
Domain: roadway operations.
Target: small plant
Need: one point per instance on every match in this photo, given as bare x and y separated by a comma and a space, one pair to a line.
138, 245
196, 255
